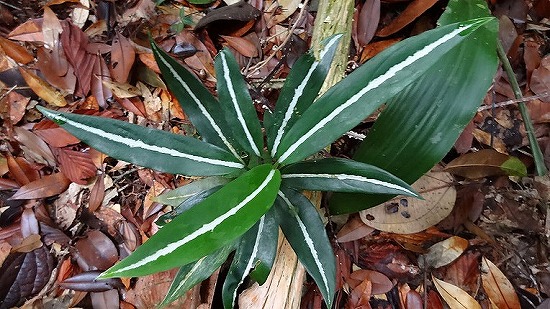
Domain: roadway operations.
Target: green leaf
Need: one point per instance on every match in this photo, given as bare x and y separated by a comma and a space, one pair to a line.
199, 104
343, 175
301, 87
209, 225
514, 167
177, 196
193, 273
240, 113
421, 124
255, 256
305, 232
350, 101
156, 149
186, 205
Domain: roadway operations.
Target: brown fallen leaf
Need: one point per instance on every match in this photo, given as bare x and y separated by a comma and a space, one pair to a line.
353, 229
15, 51
380, 283
484, 163
17, 104
454, 296
56, 70
74, 43
53, 134
35, 148
101, 73
122, 58
500, 290
367, 21
21, 170
487, 139
28, 244
44, 187
43, 89
97, 193
540, 79
29, 31
375, 48
444, 252
413, 11
241, 45
76, 165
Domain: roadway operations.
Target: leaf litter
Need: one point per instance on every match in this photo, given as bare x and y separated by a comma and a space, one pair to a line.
90, 211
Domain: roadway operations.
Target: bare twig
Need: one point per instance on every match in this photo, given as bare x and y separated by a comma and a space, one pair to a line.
513, 102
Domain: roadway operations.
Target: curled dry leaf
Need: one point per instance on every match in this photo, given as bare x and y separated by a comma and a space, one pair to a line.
28, 244
444, 252
454, 296
97, 193
101, 73
407, 215
413, 10
500, 290
44, 187
35, 148
43, 89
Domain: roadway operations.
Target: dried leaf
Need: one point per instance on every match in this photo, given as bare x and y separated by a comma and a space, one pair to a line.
105, 300
121, 90
17, 106
414, 300
97, 193
454, 296
464, 272
241, 45
23, 275
413, 11
489, 139
46, 186
29, 224
16, 51
74, 43
484, 163
56, 69
540, 79
408, 215
80, 14
380, 283
96, 251
43, 89
101, 73
240, 11
51, 28
444, 252
375, 48
21, 170
76, 165
28, 244
87, 281
53, 134
122, 58
354, 229
500, 290
367, 22
29, 31
35, 148
360, 295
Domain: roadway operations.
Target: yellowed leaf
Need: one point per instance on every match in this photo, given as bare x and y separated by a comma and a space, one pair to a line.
406, 215
454, 296
42, 89
28, 244
121, 90
498, 287
16, 51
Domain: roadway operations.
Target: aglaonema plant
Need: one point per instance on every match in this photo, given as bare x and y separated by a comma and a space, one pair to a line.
250, 188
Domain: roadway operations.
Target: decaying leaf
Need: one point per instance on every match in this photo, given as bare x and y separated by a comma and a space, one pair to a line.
43, 89
15, 51
122, 58
76, 165
484, 163
353, 229
408, 215
444, 252
454, 296
44, 187
500, 290
96, 251
53, 134
36, 149
413, 10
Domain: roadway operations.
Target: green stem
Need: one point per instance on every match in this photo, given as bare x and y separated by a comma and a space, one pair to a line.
537, 153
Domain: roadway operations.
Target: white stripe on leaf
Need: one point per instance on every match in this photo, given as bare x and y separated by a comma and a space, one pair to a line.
182, 282
309, 241
252, 257
207, 227
345, 177
141, 145
202, 108
373, 84
233, 96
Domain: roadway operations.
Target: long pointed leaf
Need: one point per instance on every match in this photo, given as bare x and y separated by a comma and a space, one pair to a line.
422, 123
156, 149
193, 273
209, 225
177, 196
255, 256
198, 103
342, 175
301, 87
355, 97
236, 102
305, 232
186, 205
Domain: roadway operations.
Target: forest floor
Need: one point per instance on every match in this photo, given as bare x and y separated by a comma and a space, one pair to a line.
67, 208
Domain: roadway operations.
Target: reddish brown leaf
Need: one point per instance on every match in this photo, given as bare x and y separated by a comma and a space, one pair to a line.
96, 251
76, 165
74, 43
23, 275
29, 31
414, 300
16, 51
17, 105
540, 79
353, 229
375, 48
413, 11
97, 193
531, 57
241, 45
51, 28
380, 283
122, 58
21, 170
43, 89
101, 73
464, 272
46, 186
53, 134
434, 301
35, 148
360, 295
105, 300
464, 142
56, 69
367, 21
